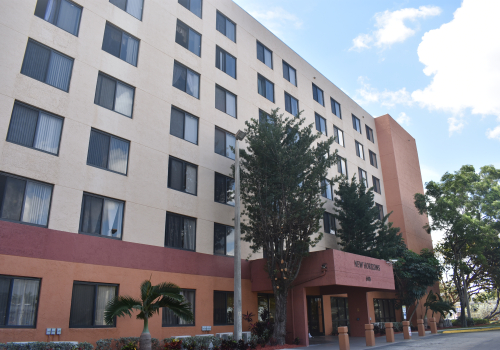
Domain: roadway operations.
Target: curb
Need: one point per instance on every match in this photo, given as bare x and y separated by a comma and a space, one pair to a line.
472, 330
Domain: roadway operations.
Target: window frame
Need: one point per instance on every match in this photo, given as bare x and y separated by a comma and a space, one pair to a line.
317, 93
184, 125
265, 85
373, 156
369, 134
217, 57
227, 19
378, 305
376, 185
331, 189
225, 240
114, 98
184, 163
291, 97
215, 186
265, 48
100, 229
126, 3
189, 28
58, 10
109, 150
289, 68
166, 230
365, 179
217, 86
317, 118
225, 294
187, 69
9, 300
329, 216
225, 141
121, 41
359, 152
380, 211
354, 119
194, 312
333, 101
335, 128
201, 2
339, 166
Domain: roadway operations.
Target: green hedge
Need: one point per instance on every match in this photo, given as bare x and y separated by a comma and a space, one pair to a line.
119, 343
47, 346
470, 322
196, 343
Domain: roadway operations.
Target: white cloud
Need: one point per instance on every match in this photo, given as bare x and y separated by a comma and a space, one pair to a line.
403, 119
277, 20
494, 134
369, 94
392, 27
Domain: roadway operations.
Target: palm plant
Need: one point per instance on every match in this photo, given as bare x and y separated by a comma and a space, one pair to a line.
152, 299
435, 303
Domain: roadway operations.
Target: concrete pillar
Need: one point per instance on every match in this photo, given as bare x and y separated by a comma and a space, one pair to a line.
343, 338
370, 335
297, 314
358, 312
433, 325
421, 328
389, 332
406, 330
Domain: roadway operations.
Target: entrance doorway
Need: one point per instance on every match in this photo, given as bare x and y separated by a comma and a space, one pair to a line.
340, 313
315, 315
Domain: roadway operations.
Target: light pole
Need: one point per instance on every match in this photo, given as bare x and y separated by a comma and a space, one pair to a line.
238, 314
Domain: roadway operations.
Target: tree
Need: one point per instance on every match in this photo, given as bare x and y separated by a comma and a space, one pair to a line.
152, 299
281, 172
362, 232
466, 207
435, 303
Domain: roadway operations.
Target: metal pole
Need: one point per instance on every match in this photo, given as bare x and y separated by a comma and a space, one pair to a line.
237, 247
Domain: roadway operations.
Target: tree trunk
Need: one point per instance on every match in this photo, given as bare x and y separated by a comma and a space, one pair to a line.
463, 303
467, 298
145, 339
280, 316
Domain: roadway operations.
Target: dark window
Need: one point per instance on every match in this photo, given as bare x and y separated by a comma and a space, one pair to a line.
61, 13
376, 185
264, 55
180, 232
268, 303
291, 104
356, 124
188, 38
24, 200
265, 88
336, 108
223, 240
359, 150
264, 117
186, 80
225, 62
318, 95
192, 5
114, 94
225, 101
363, 178
223, 308
339, 136
18, 301
329, 223
88, 303
342, 166
108, 152
120, 44
224, 143
385, 310
373, 159
133, 7
369, 134
380, 211
226, 26
35, 128
224, 189
101, 216
182, 176
184, 125
289, 73
320, 124
47, 65
169, 319
326, 189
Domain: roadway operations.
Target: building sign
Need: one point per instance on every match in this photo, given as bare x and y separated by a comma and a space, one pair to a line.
366, 265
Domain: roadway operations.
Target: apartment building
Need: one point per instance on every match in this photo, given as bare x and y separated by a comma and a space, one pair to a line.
116, 121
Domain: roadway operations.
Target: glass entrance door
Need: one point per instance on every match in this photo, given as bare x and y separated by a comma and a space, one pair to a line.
340, 313
315, 315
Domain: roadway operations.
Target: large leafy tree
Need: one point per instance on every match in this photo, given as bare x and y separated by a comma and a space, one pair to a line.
465, 206
281, 172
152, 299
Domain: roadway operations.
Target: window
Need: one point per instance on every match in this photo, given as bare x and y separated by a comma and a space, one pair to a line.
192, 5
318, 95
34, 128
289, 73
265, 88
23, 200
180, 232
101, 216
224, 143
336, 108
226, 26
264, 117
329, 225
223, 308
339, 136
363, 178
182, 176
223, 240
291, 104
264, 55
18, 301
63, 14
376, 185
342, 166
225, 62
320, 124
384, 310
120, 44
47, 65
114, 94
369, 134
186, 80
380, 211
133, 7
326, 189
359, 150
88, 303
224, 189
184, 125
225, 101
373, 159
188, 38
268, 303
356, 124
169, 319
108, 152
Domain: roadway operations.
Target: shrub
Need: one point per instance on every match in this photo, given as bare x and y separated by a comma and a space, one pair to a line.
273, 341
378, 329
130, 346
262, 329
481, 321
458, 322
296, 341
47, 346
397, 326
120, 343
172, 344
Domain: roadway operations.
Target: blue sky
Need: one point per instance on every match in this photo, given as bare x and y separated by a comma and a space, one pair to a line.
432, 65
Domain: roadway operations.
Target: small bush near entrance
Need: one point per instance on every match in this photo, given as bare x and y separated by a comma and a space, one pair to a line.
46, 346
121, 343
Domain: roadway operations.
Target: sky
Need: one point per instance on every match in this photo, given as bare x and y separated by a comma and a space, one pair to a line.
433, 65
